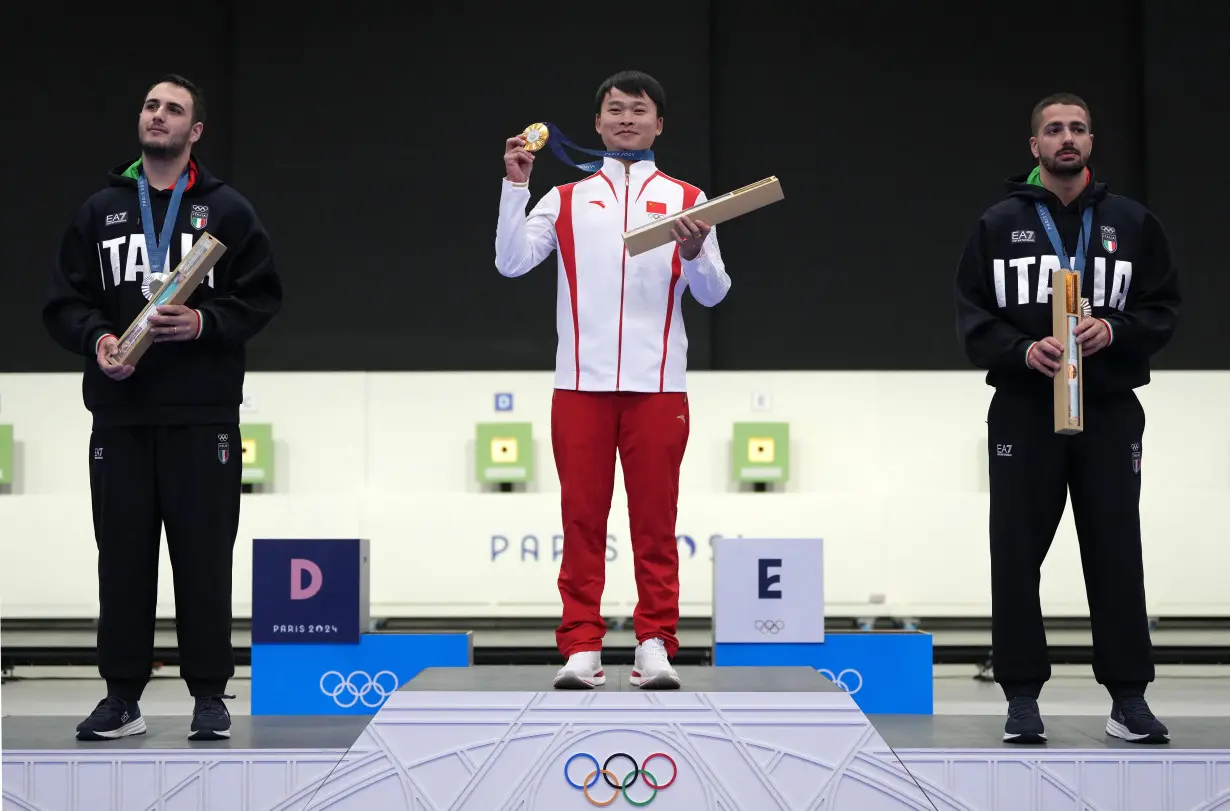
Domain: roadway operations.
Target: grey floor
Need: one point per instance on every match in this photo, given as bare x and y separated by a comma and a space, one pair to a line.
43, 704
171, 732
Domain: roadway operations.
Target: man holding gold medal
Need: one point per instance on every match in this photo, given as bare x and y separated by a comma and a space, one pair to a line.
620, 364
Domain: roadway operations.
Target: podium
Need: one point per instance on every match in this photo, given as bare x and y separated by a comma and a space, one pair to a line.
731, 739
768, 611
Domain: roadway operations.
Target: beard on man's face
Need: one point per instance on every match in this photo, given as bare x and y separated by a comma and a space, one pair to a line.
171, 148
1062, 163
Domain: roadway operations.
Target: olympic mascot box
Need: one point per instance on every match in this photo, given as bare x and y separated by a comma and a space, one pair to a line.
348, 679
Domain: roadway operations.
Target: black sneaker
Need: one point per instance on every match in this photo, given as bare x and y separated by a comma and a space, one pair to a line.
1131, 720
112, 718
211, 721
1024, 722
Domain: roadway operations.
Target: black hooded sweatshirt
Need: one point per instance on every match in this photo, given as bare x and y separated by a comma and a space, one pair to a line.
100, 283
1003, 307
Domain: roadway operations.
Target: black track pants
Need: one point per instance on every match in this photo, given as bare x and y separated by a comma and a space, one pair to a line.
1032, 470
188, 478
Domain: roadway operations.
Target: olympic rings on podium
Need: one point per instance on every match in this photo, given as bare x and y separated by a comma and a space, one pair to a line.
611, 778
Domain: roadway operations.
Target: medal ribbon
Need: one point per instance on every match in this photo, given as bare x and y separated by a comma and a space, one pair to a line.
159, 250
1082, 244
557, 141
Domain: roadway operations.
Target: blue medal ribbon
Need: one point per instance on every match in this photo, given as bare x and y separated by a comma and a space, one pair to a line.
557, 141
159, 250
1082, 244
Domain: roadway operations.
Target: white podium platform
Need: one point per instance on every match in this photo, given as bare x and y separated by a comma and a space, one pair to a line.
735, 739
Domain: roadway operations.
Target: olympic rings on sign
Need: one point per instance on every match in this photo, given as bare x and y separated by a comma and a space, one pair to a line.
840, 679
356, 687
611, 778
770, 626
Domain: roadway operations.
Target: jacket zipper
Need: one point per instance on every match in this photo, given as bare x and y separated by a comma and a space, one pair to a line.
623, 266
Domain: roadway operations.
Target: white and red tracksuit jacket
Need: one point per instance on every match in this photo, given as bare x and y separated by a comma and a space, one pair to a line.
618, 317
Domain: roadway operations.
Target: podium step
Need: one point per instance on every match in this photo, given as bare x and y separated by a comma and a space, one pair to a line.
731, 738
500, 738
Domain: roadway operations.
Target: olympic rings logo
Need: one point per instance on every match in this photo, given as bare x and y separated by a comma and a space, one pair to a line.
638, 770
770, 626
350, 690
840, 679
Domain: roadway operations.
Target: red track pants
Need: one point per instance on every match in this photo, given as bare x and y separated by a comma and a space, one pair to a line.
650, 433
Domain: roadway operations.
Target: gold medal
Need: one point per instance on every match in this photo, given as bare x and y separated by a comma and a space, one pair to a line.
535, 136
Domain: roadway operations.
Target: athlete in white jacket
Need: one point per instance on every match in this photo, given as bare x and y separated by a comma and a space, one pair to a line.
620, 368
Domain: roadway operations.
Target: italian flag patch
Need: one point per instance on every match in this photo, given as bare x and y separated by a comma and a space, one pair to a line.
1110, 243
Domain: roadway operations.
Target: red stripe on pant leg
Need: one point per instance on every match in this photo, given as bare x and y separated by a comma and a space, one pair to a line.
583, 437
652, 439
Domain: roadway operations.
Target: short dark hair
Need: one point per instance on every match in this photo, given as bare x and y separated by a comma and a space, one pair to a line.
198, 95
635, 83
1035, 120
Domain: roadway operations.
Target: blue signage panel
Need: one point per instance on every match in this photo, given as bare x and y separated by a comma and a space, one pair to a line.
343, 679
885, 672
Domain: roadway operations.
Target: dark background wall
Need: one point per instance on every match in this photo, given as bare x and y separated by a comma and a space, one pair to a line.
370, 140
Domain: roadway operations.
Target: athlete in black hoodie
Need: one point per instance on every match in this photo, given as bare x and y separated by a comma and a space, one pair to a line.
1004, 321
165, 437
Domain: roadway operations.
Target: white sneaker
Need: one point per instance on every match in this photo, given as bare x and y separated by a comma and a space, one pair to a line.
582, 671
652, 669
